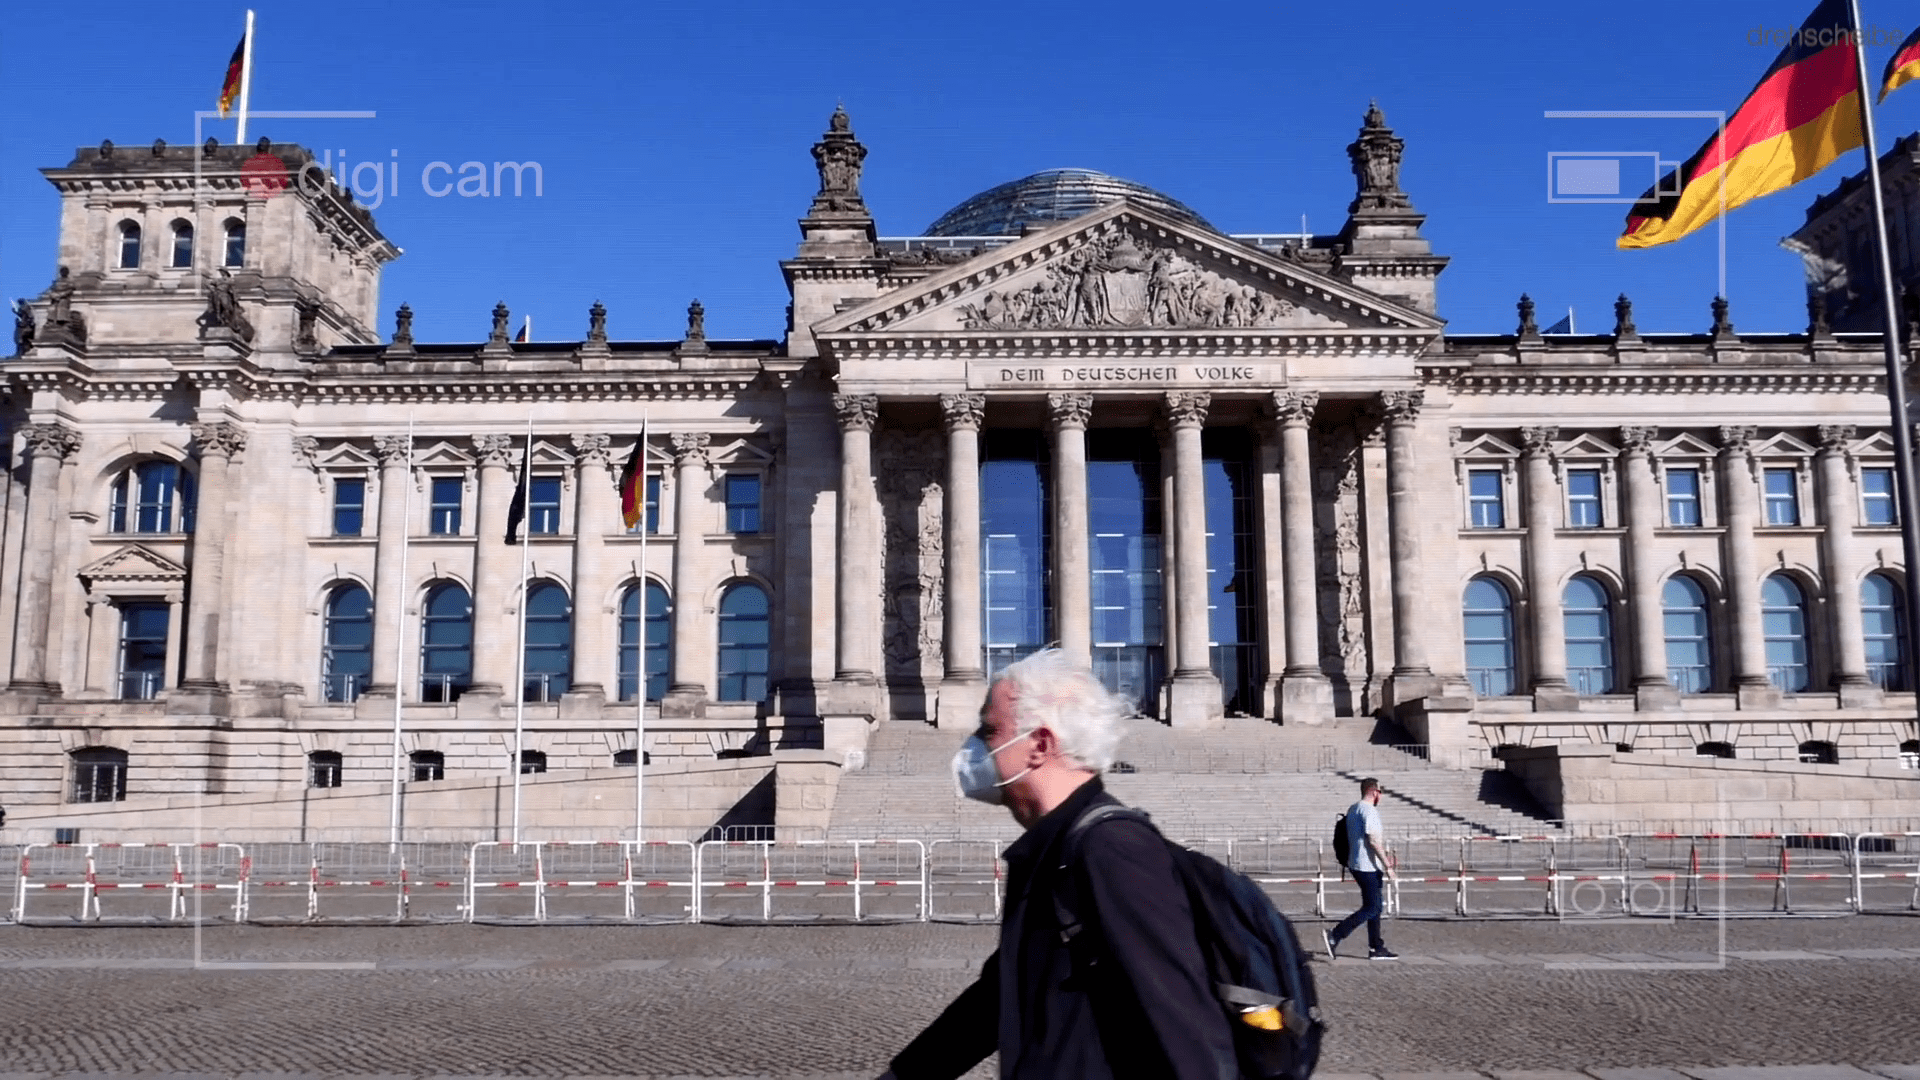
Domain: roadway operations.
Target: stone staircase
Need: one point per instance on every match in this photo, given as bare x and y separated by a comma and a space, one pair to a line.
1250, 778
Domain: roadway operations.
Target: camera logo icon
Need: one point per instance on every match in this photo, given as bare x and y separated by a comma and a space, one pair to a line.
1622, 177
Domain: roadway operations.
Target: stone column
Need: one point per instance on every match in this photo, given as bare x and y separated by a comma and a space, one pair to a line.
216, 444
1548, 630
1738, 476
1304, 687
1194, 700
1843, 596
857, 561
593, 509
48, 445
390, 595
692, 660
964, 689
494, 566
1412, 677
1651, 688
1067, 416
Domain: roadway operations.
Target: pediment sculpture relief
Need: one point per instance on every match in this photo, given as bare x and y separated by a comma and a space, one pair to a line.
1114, 281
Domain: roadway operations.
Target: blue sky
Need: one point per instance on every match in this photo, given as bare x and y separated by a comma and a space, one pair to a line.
673, 138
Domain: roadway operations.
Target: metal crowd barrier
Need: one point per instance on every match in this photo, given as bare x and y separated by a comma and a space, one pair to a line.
148, 882
729, 868
964, 868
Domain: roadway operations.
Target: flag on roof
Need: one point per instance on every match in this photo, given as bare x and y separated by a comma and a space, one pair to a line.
230, 89
1903, 67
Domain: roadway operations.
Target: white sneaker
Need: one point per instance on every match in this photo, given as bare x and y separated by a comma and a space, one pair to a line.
1326, 938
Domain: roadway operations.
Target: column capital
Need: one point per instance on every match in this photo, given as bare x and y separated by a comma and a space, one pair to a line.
1187, 408
1637, 439
1294, 408
1402, 407
963, 412
690, 448
1069, 410
51, 440
591, 449
1734, 439
1836, 438
856, 412
392, 449
218, 440
1538, 440
493, 449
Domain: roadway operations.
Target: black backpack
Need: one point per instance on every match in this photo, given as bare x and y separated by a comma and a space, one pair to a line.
1342, 843
1260, 975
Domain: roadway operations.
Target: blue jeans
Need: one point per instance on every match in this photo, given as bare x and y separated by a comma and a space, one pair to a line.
1371, 905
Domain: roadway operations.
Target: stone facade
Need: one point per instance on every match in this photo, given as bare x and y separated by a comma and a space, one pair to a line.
1319, 475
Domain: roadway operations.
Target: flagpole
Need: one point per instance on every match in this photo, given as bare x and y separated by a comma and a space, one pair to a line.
520, 683
1903, 464
640, 661
400, 622
246, 80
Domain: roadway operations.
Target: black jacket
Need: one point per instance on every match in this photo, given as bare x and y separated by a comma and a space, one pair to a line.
1132, 1000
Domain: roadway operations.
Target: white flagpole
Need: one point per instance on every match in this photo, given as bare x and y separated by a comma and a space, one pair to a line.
246, 80
640, 661
400, 622
1903, 464
1570, 328
520, 684
527, 329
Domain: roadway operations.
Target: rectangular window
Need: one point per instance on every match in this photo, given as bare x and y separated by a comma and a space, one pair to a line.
543, 506
1683, 498
143, 649
650, 520
743, 502
1583, 499
1783, 500
444, 510
349, 507
1876, 497
1483, 499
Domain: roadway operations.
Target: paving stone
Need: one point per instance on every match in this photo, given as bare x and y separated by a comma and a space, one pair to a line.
1779, 954
648, 965
1896, 1072
1433, 1076
1870, 954
1468, 959
1780, 1072
1538, 1074
1571, 958
1636, 957
1344, 1076
1638, 1074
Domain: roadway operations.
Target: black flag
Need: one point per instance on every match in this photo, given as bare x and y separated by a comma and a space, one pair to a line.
517, 511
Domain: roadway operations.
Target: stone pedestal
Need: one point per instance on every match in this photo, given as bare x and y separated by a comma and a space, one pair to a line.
583, 703
1305, 699
1193, 701
478, 703
1661, 696
960, 703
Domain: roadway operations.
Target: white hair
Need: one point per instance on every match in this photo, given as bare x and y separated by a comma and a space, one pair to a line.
1053, 691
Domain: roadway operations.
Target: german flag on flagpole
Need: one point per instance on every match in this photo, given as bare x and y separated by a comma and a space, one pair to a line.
231, 88
1804, 113
526, 331
633, 483
1904, 67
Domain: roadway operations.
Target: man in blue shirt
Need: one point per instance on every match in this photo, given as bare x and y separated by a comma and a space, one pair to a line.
1371, 868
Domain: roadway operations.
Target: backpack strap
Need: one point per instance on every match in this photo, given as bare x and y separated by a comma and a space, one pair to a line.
1069, 923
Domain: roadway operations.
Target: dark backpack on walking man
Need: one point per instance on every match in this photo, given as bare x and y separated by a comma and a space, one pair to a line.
1342, 843
1260, 975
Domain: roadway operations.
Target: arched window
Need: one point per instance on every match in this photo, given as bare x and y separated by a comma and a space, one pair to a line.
446, 643
236, 252
1910, 754
99, 774
346, 657
1783, 619
1683, 612
129, 245
744, 638
182, 246
549, 642
1819, 752
152, 497
659, 639
1714, 749
428, 764
1488, 614
625, 757
1589, 626
323, 768
533, 761
1885, 631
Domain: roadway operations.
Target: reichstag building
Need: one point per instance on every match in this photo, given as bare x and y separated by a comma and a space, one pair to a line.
252, 527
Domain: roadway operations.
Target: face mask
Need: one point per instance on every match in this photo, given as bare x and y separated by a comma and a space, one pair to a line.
974, 773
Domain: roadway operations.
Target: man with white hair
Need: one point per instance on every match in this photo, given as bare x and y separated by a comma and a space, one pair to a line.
1129, 996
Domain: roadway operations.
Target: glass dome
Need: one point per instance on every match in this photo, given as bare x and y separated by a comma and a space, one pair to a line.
1048, 197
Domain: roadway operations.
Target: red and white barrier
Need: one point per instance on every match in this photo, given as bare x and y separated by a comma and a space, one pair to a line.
777, 866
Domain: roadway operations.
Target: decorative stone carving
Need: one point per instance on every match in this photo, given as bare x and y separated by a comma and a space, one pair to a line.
1836, 438
1339, 556
306, 315
963, 411
501, 316
1623, 318
689, 448
1817, 325
933, 256
1188, 408
856, 411
696, 322
1722, 326
1069, 410
493, 449
403, 326
839, 155
223, 310
50, 440
592, 448
1529, 329
1734, 438
1376, 165
913, 601
1402, 406
1538, 440
1114, 281
306, 450
218, 440
392, 449
1294, 408
22, 327
62, 322
597, 322
1638, 440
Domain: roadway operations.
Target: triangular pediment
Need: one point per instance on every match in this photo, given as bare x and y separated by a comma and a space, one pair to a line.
1783, 445
1878, 444
344, 456
134, 563
1587, 444
549, 455
442, 454
1127, 270
1687, 444
1489, 446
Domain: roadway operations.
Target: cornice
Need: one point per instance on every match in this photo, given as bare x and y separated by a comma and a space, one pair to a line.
1121, 344
1462, 379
